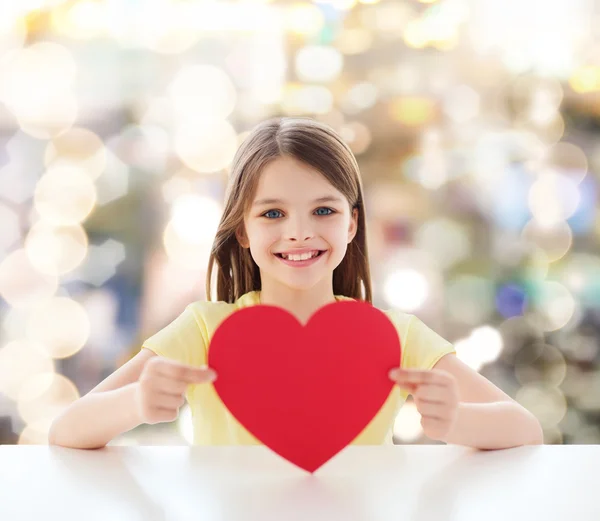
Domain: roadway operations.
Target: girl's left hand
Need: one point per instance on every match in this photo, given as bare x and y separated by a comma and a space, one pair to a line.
435, 393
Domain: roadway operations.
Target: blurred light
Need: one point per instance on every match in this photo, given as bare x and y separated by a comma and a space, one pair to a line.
461, 103
19, 360
78, 146
415, 34
572, 422
302, 100
413, 111
568, 159
65, 195
191, 209
547, 403
21, 284
537, 266
551, 307
102, 306
581, 275
552, 436
46, 112
534, 37
483, 346
587, 435
588, 399
470, 299
432, 169
511, 300
154, 110
13, 30
357, 136
114, 181
84, 19
445, 240
553, 198
360, 97
342, 5
555, 241
544, 364
9, 231
186, 243
56, 250
352, 41
100, 264
43, 63
304, 19
518, 333
318, 63
437, 26
407, 425
52, 119
202, 91
35, 433
206, 146
44, 396
59, 324
544, 106
188, 255
176, 187
388, 19
147, 147
536, 100
550, 133
583, 220
585, 79
406, 289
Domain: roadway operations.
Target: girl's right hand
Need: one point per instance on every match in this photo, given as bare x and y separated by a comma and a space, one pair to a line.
160, 390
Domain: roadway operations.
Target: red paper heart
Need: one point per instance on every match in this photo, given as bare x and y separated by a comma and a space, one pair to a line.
306, 392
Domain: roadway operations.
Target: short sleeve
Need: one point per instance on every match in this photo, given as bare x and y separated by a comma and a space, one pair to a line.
181, 340
423, 347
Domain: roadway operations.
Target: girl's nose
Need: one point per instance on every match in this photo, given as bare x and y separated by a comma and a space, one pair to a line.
298, 230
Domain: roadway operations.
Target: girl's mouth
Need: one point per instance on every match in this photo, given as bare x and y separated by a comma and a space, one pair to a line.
301, 263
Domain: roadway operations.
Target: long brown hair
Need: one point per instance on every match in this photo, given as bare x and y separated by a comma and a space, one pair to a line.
316, 145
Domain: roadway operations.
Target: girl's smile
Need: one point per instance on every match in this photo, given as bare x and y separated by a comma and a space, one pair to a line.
301, 260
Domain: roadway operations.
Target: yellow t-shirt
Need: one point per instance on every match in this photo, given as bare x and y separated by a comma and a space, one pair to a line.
186, 340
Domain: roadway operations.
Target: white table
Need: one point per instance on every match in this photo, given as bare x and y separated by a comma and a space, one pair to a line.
420, 482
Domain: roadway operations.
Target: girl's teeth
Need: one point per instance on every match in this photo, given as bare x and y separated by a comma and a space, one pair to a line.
304, 256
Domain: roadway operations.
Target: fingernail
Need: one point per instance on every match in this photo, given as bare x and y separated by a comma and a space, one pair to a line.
393, 374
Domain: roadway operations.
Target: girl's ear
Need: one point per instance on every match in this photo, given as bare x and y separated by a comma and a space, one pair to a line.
353, 225
240, 235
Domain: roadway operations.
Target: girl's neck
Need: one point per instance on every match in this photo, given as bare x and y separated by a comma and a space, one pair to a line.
302, 304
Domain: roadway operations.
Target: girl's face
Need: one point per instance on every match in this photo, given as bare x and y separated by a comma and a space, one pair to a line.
296, 210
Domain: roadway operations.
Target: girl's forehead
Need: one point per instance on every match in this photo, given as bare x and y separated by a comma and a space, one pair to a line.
284, 176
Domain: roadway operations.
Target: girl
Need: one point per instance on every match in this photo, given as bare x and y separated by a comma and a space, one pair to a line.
292, 234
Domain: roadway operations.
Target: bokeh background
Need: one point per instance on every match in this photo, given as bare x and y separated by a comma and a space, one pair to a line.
475, 124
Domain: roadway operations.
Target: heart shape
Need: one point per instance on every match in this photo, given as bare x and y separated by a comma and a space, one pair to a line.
306, 392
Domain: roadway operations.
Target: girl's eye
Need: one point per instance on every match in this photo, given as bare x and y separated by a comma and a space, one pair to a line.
328, 211
270, 212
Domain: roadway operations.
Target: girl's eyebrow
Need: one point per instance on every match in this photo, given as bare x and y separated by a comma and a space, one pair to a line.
325, 199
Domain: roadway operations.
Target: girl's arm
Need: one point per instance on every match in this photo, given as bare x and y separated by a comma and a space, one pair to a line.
96, 418
108, 410
497, 425
459, 406
487, 417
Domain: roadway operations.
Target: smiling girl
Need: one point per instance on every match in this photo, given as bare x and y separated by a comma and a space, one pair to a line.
293, 235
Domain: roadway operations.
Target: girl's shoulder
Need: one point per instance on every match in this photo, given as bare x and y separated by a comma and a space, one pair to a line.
212, 313
397, 316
